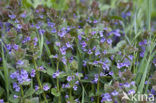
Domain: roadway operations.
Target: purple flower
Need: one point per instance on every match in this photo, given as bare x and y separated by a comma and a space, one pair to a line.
50, 24
96, 78
53, 30
62, 34
142, 54
92, 99
15, 96
114, 93
130, 57
93, 32
106, 97
124, 15
127, 63
64, 60
79, 37
102, 40
41, 68
1, 101
90, 51
41, 16
26, 39
46, 87
36, 39
15, 47
20, 62
63, 50
97, 53
56, 74
77, 82
37, 26
83, 44
127, 85
69, 78
128, 13
105, 66
77, 100
12, 16
109, 41
101, 33
95, 62
41, 31
75, 87
71, 59
66, 96
85, 77
16, 87
116, 32
153, 91
102, 74
143, 43
36, 87
95, 21
14, 75
94, 48
33, 73
68, 45
8, 46
67, 85
19, 26
58, 44
55, 56
131, 92
84, 62
120, 65
111, 73
23, 77
133, 83
23, 15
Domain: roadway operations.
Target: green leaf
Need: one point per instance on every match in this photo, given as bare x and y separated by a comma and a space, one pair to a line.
39, 91
26, 83
32, 100
82, 95
117, 17
29, 92
50, 71
13, 100
55, 92
1, 91
62, 75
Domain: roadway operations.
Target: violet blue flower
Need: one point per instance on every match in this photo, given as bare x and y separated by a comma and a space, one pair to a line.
131, 92
19, 26
12, 16
33, 73
46, 87
114, 93
15, 96
1, 101
69, 78
75, 87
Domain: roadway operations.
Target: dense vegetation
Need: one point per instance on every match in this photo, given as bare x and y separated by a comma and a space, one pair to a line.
76, 51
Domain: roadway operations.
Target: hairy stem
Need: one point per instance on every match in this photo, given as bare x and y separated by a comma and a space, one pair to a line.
38, 80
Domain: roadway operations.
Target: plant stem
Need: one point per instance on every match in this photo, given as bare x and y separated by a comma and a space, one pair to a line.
38, 80
58, 87
70, 94
22, 93
98, 85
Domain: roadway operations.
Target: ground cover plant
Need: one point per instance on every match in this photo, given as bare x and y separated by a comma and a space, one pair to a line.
77, 51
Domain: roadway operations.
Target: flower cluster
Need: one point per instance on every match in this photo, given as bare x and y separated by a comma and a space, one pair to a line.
82, 52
